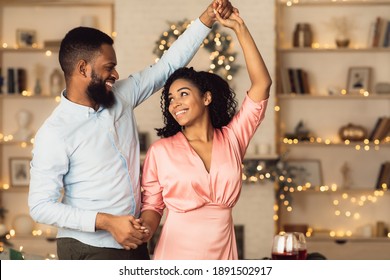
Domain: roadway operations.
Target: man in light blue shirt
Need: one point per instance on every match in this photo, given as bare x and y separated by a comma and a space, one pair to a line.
85, 166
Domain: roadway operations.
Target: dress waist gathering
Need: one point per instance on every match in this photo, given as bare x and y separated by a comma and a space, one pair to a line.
210, 224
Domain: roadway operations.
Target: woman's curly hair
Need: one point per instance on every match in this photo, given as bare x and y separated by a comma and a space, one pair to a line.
222, 107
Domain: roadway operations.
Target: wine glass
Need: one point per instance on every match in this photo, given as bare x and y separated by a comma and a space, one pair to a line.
302, 249
285, 246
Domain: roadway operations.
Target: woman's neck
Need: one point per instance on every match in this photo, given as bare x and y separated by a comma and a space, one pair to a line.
199, 133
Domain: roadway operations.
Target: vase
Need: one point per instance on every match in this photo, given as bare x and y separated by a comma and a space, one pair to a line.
342, 41
303, 36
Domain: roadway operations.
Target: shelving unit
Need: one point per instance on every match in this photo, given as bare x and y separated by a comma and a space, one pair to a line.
323, 113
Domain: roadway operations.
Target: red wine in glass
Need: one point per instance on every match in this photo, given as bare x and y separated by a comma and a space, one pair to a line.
284, 256
302, 254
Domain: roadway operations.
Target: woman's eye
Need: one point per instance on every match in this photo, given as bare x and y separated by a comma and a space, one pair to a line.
170, 100
184, 93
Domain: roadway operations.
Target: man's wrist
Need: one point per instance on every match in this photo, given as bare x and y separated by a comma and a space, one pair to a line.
207, 20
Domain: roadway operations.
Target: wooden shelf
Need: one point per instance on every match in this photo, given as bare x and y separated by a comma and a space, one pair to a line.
353, 190
290, 3
15, 189
351, 145
22, 144
349, 239
20, 96
260, 157
372, 96
332, 50
29, 50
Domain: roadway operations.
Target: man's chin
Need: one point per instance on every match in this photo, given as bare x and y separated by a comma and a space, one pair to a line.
109, 102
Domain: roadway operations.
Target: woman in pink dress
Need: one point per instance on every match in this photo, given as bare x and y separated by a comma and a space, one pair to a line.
194, 171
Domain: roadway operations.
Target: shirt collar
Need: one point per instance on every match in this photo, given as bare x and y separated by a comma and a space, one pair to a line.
78, 109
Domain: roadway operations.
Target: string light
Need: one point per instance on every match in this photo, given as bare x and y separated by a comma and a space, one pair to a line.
365, 145
218, 43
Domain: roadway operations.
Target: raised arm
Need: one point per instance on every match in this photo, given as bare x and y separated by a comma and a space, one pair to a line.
258, 73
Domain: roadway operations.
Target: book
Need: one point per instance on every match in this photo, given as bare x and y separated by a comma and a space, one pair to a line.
383, 180
371, 34
284, 76
300, 80
377, 31
386, 40
306, 85
382, 32
378, 121
380, 129
383, 129
291, 79
297, 73
378, 185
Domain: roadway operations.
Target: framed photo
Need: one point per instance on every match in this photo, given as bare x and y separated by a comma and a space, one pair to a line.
358, 79
306, 171
26, 38
19, 169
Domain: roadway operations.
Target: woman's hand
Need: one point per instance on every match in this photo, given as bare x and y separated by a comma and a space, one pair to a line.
233, 22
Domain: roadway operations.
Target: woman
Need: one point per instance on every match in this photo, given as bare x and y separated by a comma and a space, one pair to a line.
195, 169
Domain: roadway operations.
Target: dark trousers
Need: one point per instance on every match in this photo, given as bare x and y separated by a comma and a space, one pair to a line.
72, 249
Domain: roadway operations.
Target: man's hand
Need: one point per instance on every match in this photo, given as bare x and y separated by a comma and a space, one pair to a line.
126, 230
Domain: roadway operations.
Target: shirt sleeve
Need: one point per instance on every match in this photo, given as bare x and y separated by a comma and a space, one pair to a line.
152, 198
141, 85
247, 120
49, 165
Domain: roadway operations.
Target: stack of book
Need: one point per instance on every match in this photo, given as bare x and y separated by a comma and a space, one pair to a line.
295, 80
381, 129
383, 181
379, 36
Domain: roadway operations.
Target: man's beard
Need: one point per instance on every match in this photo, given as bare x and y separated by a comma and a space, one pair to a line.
97, 91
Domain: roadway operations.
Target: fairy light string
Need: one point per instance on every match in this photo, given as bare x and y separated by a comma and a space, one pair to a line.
219, 45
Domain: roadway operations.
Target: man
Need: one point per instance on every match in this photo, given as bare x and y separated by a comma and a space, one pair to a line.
85, 166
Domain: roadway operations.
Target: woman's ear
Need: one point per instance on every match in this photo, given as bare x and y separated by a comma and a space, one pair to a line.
208, 98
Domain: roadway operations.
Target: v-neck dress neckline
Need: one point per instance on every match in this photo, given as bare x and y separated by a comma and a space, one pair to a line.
198, 156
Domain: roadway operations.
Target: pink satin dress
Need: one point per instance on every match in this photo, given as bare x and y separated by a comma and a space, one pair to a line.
199, 224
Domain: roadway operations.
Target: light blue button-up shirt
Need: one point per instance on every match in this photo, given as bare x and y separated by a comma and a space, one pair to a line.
87, 161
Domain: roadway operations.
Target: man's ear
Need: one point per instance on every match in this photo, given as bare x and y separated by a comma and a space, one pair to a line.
82, 68
208, 98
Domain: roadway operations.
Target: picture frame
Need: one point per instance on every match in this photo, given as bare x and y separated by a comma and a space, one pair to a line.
19, 169
304, 171
26, 38
359, 79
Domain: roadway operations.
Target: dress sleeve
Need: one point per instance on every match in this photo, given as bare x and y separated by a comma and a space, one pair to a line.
247, 120
152, 198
